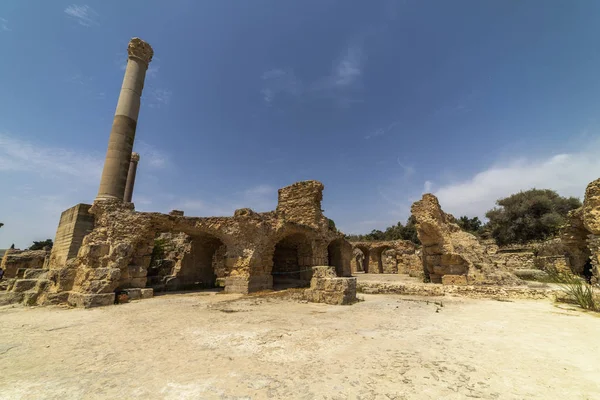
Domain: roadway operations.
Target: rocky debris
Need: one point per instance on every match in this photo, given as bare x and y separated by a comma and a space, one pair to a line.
448, 250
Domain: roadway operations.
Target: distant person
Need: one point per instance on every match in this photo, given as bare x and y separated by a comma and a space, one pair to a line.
587, 271
1, 273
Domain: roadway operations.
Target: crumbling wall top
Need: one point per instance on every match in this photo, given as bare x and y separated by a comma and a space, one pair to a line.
301, 203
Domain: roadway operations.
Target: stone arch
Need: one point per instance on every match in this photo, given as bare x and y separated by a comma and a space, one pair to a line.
338, 256
365, 250
189, 259
376, 259
292, 260
358, 260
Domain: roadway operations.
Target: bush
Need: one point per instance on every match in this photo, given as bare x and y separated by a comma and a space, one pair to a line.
529, 216
40, 245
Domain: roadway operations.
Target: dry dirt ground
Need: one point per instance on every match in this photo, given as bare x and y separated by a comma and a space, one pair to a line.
217, 346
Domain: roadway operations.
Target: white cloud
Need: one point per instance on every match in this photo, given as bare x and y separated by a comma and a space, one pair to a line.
259, 198
278, 81
84, 14
158, 97
349, 68
152, 71
151, 156
337, 85
4, 25
567, 173
41, 181
427, 186
22, 155
408, 171
382, 131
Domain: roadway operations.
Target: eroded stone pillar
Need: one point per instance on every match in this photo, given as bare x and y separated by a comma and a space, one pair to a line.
122, 134
133, 163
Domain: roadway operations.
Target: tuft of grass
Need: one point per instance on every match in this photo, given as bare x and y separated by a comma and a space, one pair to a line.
578, 292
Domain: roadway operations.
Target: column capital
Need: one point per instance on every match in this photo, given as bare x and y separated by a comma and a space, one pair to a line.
135, 157
140, 50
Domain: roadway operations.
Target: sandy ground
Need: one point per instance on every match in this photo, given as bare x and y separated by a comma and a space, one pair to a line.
207, 346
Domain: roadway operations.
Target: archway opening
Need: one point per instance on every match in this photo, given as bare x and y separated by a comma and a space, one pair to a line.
292, 261
187, 262
357, 263
335, 257
384, 263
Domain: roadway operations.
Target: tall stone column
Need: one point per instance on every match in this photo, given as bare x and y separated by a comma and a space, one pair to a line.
122, 134
135, 158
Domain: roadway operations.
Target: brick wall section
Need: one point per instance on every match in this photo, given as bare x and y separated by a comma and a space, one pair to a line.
75, 223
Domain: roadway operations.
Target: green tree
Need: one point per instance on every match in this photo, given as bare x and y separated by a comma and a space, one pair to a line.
40, 245
536, 214
395, 232
375, 234
410, 231
472, 225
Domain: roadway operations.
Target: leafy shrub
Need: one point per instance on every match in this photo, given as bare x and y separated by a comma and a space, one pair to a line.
528, 216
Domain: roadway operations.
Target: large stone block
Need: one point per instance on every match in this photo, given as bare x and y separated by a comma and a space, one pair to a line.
90, 300
134, 293
23, 285
147, 293
35, 274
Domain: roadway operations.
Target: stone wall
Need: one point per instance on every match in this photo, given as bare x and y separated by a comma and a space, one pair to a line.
591, 222
75, 223
16, 262
385, 257
301, 203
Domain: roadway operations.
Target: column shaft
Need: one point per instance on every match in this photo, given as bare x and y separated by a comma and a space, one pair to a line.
122, 134
135, 157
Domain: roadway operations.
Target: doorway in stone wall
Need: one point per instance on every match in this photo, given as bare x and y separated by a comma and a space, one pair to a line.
292, 261
187, 262
335, 256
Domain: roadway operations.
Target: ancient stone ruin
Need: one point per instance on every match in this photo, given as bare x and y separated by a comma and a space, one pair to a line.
581, 235
450, 255
108, 246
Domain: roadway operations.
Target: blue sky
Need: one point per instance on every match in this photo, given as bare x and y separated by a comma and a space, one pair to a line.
381, 101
